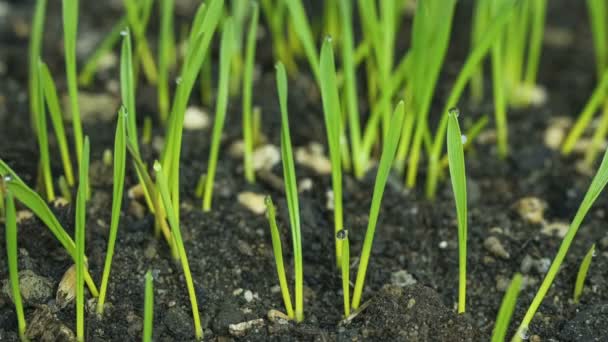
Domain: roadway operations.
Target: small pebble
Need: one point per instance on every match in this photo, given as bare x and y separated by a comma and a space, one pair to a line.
195, 118
266, 157
240, 329
313, 157
305, 185
248, 295
557, 228
556, 132
277, 316
531, 209
494, 246
35, 289
402, 278
252, 201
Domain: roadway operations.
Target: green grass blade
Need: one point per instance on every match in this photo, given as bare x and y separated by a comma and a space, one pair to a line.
148, 308
226, 53
247, 95
291, 191
384, 168
175, 229
120, 151
35, 48
539, 12
506, 309
166, 56
12, 252
43, 145
52, 103
138, 25
582, 274
597, 186
343, 236
350, 86
278, 256
584, 118
333, 116
127, 89
38, 206
91, 65
80, 222
70, 29
599, 29
459, 188
304, 33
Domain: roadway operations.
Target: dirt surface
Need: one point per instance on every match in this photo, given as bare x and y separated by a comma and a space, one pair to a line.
413, 275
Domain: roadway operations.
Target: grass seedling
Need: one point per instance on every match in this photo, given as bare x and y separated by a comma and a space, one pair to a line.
459, 188
597, 185
34, 55
350, 86
166, 56
226, 53
278, 256
137, 22
175, 229
480, 23
247, 94
333, 117
80, 222
582, 274
105, 47
493, 31
38, 206
291, 192
430, 36
384, 168
127, 88
43, 145
11, 254
274, 11
52, 103
342, 235
64, 189
148, 308
203, 28
70, 29
506, 309
500, 99
120, 151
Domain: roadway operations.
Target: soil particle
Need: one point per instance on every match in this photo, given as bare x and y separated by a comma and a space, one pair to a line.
402, 278
195, 118
229, 313
494, 246
241, 329
45, 326
589, 324
179, 323
35, 289
252, 201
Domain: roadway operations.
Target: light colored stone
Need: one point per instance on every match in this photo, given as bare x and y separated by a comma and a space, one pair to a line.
277, 316
93, 107
195, 118
266, 157
556, 132
248, 295
252, 201
313, 157
494, 246
402, 278
305, 185
557, 228
241, 329
35, 289
531, 209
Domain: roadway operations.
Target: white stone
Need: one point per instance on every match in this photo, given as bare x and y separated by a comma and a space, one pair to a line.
195, 118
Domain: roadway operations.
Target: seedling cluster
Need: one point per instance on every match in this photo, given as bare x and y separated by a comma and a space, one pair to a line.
506, 33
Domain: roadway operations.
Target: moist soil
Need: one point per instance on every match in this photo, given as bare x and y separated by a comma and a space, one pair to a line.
230, 250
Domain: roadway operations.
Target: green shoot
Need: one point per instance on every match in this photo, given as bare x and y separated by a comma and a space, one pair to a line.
247, 90
304, 32
80, 222
146, 134
500, 100
343, 236
64, 189
138, 26
175, 229
333, 116
166, 56
506, 309
493, 31
459, 188
291, 192
52, 103
582, 274
203, 28
384, 168
597, 185
480, 24
127, 88
430, 36
226, 52
43, 145
105, 47
70, 28
350, 86
539, 11
13, 272
148, 308
471, 135
278, 255
584, 118
38, 206
274, 11
34, 55
120, 151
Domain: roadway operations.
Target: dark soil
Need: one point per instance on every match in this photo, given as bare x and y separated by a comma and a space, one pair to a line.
229, 249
